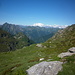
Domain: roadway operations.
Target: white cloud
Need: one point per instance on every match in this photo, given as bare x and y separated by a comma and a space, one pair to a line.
38, 24
58, 26
54, 26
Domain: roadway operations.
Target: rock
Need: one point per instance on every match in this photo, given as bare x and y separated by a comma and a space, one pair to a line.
72, 50
41, 59
45, 68
39, 45
63, 60
45, 47
61, 55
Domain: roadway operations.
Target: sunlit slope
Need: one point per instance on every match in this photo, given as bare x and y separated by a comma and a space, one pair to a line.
62, 40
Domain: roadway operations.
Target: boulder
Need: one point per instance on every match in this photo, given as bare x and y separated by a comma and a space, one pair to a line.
39, 45
45, 68
72, 50
41, 59
61, 55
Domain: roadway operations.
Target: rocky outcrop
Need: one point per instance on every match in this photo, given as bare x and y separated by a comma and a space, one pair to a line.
41, 59
70, 52
39, 45
45, 68
65, 54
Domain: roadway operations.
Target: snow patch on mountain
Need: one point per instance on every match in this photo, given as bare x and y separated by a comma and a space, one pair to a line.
53, 26
38, 24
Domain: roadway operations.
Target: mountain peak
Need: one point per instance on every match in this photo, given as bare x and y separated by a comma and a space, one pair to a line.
6, 23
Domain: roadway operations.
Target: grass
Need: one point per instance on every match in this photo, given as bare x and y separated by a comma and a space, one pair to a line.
69, 67
17, 62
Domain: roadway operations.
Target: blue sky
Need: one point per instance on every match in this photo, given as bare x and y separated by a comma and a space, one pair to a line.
28, 12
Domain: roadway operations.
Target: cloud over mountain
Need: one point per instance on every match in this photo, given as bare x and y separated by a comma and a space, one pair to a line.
38, 24
54, 26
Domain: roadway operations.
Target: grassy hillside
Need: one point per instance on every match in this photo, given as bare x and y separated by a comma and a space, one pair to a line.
62, 40
7, 42
17, 62
23, 40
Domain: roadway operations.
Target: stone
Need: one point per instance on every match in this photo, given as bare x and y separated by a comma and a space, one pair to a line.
39, 45
45, 47
45, 68
41, 59
72, 50
65, 54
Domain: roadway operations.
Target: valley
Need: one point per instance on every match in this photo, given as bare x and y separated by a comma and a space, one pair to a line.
34, 33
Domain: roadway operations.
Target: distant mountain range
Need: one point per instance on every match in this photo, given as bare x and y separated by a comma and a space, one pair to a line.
51, 26
35, 33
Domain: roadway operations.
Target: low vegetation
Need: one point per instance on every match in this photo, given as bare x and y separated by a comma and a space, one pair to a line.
17, 62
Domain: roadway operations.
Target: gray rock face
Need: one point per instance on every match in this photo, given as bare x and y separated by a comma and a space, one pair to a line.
61, 55
45, 68
39, 45
72, 50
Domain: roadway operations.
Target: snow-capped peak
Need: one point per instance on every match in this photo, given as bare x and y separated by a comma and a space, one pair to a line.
38, 24
53, 26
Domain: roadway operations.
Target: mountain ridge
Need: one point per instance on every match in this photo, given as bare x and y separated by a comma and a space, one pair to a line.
32, 32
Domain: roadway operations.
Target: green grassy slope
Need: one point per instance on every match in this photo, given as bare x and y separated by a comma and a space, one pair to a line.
17, 62
23, 40
7, 42
62, 40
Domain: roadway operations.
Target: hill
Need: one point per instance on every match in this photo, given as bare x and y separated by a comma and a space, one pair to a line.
23, 40
63, 39
28, 56
9, 42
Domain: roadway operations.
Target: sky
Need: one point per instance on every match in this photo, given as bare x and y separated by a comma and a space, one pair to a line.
32, 12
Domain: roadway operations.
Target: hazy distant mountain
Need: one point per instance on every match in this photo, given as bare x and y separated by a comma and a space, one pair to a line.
35, 33
39, 34
11, 28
